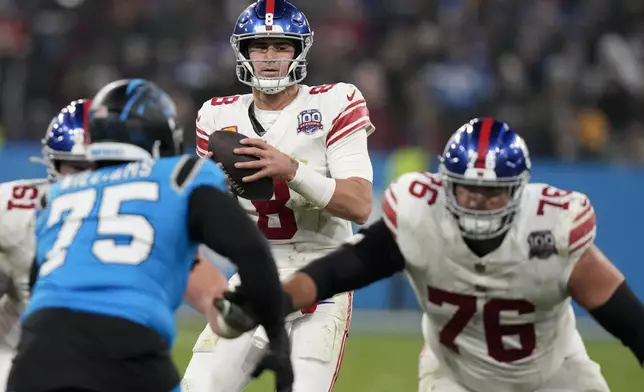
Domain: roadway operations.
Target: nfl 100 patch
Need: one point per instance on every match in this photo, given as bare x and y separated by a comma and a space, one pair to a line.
542, 244
309, 121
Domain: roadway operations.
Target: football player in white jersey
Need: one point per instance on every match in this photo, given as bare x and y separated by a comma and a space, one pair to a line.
63, 152
313, 142
495, 262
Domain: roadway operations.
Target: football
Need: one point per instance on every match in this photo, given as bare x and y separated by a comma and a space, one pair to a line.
222, 144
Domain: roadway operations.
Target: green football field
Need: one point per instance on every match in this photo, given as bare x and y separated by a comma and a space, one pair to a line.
387, 363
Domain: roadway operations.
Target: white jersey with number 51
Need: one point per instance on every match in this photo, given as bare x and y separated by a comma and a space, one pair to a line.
504, 317
18, 203
316, 128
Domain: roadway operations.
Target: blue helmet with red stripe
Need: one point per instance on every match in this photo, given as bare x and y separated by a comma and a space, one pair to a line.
67, 136
485, 153
271, 19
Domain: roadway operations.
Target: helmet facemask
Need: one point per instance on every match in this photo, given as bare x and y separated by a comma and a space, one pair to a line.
483, 224
245, 67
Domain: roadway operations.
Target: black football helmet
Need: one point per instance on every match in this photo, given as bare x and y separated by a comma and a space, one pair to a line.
132, 120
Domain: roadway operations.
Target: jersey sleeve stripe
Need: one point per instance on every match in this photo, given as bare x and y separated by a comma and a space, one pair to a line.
346, 118
200, 152
582, 230
348, 110
391, 194
202, 134
185, 171
389, 212
581, 245
202, 145
584, 212
361, 123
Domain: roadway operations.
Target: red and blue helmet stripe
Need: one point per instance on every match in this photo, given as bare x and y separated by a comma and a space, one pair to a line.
486, 144
283, 17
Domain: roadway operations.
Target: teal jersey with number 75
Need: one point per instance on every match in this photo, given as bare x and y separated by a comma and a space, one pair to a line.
115, 241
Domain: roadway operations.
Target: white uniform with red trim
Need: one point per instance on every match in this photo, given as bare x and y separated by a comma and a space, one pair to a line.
324, 127
18, 201
502, 322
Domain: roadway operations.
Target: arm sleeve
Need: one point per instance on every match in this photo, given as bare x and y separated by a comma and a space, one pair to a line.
623, 316
373, 255
218, 221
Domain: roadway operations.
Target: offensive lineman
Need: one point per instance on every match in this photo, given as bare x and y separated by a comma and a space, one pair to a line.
313, 142
494, 262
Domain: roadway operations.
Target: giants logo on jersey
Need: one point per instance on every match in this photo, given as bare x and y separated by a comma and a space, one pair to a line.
309, 121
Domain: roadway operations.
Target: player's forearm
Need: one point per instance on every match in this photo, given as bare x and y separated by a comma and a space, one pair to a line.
623, 316
218, 221
302, 290
348, 198
373, 256
351, 200
205, 283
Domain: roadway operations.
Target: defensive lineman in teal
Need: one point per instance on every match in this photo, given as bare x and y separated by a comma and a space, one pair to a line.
116, 253
114, 241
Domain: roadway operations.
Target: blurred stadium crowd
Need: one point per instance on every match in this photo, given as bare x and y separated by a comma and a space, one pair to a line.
567, 73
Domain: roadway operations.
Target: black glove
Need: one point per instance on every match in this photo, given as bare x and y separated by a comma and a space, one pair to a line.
278, 359
236, 311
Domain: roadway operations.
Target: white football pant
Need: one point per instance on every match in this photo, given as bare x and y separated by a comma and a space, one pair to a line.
317, 341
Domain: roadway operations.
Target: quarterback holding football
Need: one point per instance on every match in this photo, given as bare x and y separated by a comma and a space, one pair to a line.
312, 142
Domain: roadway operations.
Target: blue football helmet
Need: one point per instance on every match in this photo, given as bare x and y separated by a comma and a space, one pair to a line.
272, 19
486, 153
67, 137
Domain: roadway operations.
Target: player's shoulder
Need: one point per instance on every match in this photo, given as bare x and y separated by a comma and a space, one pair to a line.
222, 105
342, 109
220, 112
185, 172
27, 191
567, 215
334, 96
558, 204
411, 197
330, 90
19, 201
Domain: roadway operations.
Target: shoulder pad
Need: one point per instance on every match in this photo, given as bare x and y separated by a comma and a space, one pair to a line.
568, 214
18, 203
213, 116
348, 108
407, 197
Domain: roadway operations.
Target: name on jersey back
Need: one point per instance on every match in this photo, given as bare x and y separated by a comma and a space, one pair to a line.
131, 171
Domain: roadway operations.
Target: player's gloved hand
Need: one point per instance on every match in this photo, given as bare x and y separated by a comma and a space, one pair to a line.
278, 360
235, 315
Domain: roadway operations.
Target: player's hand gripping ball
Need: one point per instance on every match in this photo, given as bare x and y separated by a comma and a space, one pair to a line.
221, 144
